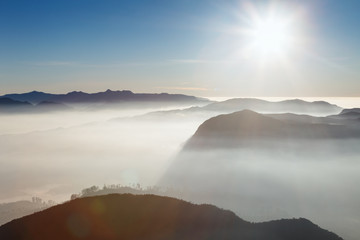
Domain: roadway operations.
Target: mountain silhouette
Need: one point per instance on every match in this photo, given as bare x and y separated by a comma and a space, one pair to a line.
348, 114
235, 128
8, 105
8, 102
350, 110
151, 217
102, 97
33, 97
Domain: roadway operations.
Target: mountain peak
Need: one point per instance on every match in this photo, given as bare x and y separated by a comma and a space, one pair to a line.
245, 122
75, 92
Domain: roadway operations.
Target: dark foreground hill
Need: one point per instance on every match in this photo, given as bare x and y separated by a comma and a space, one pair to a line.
151, 217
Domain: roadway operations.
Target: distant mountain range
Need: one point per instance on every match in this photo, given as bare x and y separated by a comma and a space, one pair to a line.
295, 106
231, 130
205, 108
8, 102
8, 105
45, 102
286, 106
130, 217
101, 97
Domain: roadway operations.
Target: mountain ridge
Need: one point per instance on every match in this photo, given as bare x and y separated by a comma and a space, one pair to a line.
108, 96
242, 126
293, 106
259, 105
129, 216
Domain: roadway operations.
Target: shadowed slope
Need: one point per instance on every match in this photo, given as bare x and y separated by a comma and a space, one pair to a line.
10, 105
8, 102
150, 217
231, 129
352, 110
352, 113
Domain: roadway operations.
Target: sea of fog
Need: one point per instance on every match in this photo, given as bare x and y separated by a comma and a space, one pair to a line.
53, 155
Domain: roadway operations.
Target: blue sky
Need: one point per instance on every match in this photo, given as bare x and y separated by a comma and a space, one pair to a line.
175, 46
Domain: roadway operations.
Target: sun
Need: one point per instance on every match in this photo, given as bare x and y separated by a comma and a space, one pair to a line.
271, 36
270, 31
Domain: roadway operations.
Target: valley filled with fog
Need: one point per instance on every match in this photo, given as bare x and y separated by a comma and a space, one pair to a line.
52, 155
56, 154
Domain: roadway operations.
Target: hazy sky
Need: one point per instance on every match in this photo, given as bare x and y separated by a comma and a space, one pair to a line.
203, 47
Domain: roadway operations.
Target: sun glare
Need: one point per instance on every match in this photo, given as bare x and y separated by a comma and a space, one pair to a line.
271, 36
271, 32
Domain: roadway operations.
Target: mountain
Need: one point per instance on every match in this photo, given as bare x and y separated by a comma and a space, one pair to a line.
287, 106
239, 127
151, 217
350, 110
294, 106
9, 105
103, 97
348, 114
33, 97
8, 102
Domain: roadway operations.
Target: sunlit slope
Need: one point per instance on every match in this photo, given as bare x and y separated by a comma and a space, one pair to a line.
151, 217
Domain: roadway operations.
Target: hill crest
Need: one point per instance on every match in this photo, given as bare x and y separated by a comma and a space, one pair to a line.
129, 216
